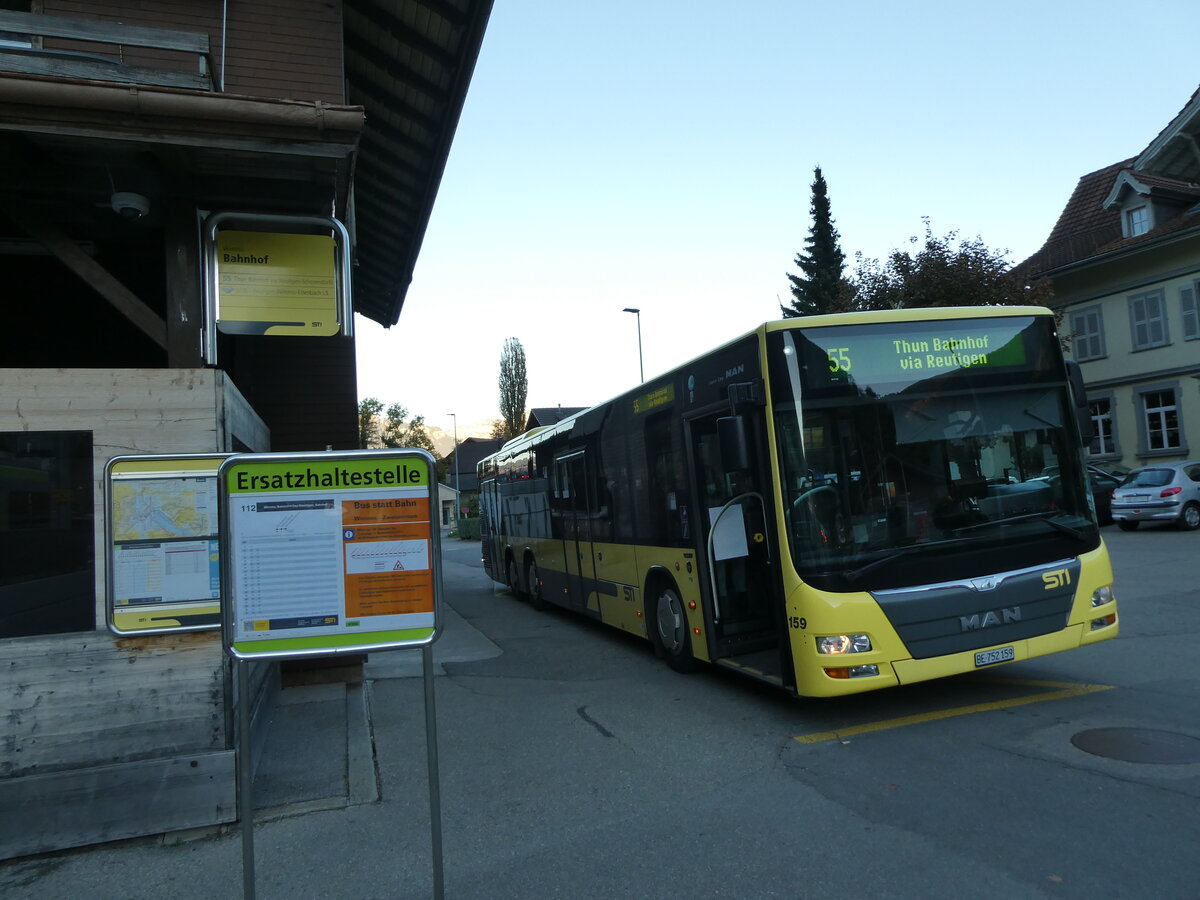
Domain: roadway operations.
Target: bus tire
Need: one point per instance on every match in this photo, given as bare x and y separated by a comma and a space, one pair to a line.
537, 595
514, 583
669, 629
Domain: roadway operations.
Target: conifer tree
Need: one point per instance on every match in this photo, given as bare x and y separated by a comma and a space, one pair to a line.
820, 288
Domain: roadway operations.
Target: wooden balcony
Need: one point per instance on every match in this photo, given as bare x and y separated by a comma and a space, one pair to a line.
97, 50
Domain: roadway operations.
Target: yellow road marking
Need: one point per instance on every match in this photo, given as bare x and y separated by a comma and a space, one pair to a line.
1065, 689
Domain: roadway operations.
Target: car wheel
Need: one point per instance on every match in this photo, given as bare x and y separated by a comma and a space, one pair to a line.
1189, 519
513, 583
537, 595
670, 632
1126, 525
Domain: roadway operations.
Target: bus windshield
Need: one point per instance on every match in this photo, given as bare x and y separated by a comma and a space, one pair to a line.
918, 451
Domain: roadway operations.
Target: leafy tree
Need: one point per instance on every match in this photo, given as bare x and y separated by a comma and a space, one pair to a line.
944, 271
821, 287
393, 429
514, 387
498, 429
369, 409
400, 431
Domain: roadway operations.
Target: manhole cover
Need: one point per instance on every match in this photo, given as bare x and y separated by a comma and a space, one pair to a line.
1139, 745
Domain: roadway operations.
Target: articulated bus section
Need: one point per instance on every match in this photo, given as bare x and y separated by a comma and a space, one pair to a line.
822, 504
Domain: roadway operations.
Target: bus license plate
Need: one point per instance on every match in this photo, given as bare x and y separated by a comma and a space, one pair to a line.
999, 655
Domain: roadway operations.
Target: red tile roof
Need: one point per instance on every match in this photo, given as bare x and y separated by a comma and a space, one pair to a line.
1086, 229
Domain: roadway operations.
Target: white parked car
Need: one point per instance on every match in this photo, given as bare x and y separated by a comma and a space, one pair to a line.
1162, 492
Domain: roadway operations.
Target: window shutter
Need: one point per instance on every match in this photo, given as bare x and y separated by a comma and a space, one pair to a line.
1191, 320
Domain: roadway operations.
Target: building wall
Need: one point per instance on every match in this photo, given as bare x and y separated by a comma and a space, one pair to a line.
112, 736
1123, 374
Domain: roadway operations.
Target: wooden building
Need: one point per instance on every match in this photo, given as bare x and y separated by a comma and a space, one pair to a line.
124, 126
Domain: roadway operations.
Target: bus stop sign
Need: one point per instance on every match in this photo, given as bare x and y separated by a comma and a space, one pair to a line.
327, 553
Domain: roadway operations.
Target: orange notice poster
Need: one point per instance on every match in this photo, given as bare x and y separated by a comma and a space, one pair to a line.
386, 544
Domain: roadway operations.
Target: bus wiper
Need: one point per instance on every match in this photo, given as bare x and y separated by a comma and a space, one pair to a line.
1044, 517
853, 575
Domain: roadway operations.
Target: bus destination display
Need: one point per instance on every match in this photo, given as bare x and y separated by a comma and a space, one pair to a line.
887, 357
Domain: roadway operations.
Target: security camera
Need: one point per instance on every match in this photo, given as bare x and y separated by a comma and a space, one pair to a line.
129, 205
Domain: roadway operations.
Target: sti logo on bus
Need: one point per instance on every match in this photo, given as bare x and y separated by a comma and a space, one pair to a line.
977, 622
1057, 579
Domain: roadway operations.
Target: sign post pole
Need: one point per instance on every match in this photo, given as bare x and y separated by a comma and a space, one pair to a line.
245, 778
435, 793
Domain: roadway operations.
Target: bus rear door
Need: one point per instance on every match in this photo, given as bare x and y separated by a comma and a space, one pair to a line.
577, 532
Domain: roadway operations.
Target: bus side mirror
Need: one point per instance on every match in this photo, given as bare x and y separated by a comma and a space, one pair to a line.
1079, 397
735, 443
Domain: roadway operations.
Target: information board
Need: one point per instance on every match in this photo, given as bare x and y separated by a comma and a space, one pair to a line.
329, 552
276, 283
161, 524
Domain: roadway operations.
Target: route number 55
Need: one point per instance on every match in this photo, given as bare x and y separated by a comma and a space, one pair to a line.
839, 359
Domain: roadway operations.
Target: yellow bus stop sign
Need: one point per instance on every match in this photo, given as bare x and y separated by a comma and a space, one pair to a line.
276, 284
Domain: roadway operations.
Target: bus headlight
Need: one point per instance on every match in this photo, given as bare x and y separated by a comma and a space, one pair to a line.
1103, 596
837, 644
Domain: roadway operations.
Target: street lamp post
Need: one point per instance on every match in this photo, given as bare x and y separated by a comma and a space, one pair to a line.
638, 313
457, 492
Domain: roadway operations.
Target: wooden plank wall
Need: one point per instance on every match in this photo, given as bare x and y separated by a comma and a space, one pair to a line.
96, 722
282, 49
92, 699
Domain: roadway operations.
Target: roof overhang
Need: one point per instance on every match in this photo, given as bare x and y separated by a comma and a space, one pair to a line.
1119, 253
408, 65
1175, 153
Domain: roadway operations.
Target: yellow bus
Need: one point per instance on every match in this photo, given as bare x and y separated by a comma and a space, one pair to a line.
831, 504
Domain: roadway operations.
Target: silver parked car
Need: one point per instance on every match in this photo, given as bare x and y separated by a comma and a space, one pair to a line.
1162, 492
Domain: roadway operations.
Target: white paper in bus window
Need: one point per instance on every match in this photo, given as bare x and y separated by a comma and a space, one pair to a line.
729, 535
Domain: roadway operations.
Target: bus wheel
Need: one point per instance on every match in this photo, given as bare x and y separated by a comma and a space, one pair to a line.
537, 594
513, 584
670, 630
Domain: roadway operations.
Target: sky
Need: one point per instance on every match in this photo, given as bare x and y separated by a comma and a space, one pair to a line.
659, 155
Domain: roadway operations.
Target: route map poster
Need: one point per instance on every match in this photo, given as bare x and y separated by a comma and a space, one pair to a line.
163, 548
329, 552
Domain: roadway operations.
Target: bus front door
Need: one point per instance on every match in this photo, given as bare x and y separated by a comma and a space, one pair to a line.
577, 536
736, 555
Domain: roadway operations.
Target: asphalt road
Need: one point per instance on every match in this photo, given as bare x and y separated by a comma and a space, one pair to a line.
574, 764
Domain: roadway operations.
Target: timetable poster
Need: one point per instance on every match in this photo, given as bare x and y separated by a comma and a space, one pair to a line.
164, 567
329, 552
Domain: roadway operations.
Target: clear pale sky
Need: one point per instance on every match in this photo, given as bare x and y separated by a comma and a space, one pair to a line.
659, 154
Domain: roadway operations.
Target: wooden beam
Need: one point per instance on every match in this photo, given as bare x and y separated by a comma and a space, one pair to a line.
105, 284
30, 63
124, 800
185, 307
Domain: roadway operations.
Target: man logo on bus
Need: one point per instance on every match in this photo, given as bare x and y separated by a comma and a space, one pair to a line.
977, 622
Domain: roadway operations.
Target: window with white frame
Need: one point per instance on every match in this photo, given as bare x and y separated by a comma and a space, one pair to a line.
1087, 334
1103, 437
1148, 320
1160, 412
1137, 221
1191, 317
